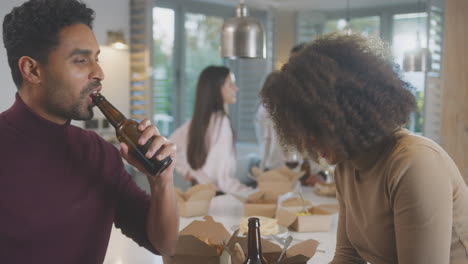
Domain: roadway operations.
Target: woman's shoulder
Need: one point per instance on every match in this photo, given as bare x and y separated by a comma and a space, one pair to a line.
410, 144
219, 115
219, 119
418, 155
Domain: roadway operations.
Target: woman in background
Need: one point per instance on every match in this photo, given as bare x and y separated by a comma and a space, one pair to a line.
205, 144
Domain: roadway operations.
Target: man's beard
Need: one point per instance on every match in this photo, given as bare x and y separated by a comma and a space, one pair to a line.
77, 110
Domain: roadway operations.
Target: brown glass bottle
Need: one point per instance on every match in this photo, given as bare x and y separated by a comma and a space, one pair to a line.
254, 243
127, 132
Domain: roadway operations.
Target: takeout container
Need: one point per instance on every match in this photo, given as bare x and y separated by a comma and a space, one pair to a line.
325, 189
196, 200
271, 185
200, 242
319, 219
297, 254
259, 203
295, 202
291, 214
280, 180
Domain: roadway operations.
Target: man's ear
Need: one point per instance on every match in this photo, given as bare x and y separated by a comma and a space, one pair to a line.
30, 69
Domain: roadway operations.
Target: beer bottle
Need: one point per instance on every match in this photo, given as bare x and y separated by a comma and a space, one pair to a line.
254, 243
127, 132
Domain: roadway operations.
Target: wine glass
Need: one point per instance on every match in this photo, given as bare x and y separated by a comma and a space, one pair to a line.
328, 169
293, 159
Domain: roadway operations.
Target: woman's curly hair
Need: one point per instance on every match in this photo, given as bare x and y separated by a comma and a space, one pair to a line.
341, 92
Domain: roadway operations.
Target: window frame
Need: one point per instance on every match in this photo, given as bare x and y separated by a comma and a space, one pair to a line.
181, 8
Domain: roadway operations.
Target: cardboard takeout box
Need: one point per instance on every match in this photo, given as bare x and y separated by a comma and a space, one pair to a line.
196, 200
295, 202
200, 242
259, 203
299, 253
318, 220
280, 180
325, 189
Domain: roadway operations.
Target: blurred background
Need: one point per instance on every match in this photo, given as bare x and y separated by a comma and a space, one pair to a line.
164, 44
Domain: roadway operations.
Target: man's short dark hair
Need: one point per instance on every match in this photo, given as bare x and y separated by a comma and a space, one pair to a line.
32, 29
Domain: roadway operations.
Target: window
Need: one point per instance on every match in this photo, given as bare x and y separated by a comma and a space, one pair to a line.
186, 39
400, 28
202, 48
163, 74
407, 28
367, 26
311, 24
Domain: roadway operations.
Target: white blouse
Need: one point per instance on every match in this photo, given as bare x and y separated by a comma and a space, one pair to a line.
271, 152
220, 164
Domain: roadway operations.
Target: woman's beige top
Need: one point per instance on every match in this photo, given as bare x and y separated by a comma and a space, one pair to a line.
220, 165
405, 203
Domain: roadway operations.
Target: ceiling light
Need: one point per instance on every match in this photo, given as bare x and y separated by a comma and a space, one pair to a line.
116, 40
242, 36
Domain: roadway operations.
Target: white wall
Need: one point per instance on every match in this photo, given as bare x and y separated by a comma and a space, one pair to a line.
110, 15
8, 88
285, 35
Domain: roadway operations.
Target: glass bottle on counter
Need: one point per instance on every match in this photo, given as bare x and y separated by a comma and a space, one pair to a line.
127, 132
254, 255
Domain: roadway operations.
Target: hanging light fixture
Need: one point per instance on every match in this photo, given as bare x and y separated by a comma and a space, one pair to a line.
242, 36
419, 58
347, 28
116, 40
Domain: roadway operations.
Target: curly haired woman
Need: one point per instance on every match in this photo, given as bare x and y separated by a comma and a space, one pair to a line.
402, 198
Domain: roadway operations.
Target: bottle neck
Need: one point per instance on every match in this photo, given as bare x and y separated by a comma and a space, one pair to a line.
254, 243
114, 116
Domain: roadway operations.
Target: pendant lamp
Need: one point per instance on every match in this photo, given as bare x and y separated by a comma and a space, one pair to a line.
418, 59
116, 40
347, 28
242, 36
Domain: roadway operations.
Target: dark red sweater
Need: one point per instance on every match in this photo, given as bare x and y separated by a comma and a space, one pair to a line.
61, 189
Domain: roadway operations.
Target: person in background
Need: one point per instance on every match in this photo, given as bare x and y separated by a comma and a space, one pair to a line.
62, 188
205, 144
402, 198
272, 153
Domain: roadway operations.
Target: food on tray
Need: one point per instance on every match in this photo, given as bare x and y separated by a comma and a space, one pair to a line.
268, 226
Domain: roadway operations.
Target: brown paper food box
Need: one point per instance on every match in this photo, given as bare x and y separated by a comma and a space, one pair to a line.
280, 180
296, 202
325, 189
196, 200
297, 254
318, 221
260, 203
191, 247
